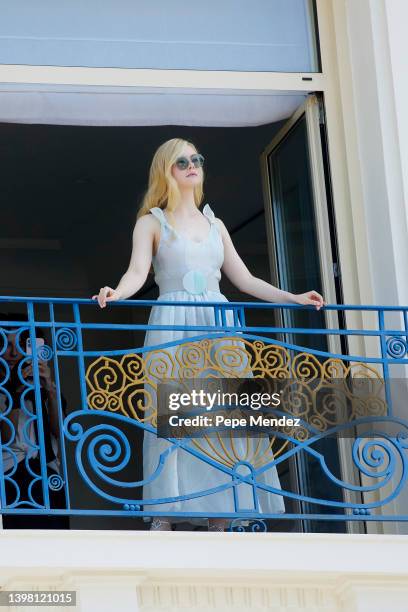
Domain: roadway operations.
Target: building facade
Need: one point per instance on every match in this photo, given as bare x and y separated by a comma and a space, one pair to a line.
329, 81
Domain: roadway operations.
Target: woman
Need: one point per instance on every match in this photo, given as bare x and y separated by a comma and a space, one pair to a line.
188, 249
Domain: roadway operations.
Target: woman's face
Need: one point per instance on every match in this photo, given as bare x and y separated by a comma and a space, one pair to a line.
191, 176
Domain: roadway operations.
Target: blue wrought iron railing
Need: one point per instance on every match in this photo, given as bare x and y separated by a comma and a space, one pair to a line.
79, 430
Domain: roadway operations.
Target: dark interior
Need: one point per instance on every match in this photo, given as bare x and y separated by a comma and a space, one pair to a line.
70, 196
69, 201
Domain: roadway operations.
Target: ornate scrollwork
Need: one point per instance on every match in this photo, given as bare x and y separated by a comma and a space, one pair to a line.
45, 353
127, 385
323, 393
55, 482
397, 347
241, 525
66, 339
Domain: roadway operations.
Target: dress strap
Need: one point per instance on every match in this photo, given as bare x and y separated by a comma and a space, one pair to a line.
209, 214
159, 214
165, 225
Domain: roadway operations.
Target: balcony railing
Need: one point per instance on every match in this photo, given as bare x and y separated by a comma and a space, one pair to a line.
75, 426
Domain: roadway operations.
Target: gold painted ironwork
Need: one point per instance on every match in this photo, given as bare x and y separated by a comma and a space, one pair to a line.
327, 391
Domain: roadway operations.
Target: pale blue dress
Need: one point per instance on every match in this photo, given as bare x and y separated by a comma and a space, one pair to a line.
186, 270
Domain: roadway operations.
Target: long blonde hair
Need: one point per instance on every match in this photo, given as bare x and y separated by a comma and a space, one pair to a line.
162, 190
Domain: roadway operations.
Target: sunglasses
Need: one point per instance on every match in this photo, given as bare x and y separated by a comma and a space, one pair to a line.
183, 163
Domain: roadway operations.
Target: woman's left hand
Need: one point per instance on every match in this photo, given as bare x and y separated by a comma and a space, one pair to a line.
310, 297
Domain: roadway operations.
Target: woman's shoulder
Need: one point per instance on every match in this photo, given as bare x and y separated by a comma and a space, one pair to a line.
146, 226
150, 219
220, 225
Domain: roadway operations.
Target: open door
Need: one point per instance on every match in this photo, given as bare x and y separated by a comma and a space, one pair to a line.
303, 256
301, 240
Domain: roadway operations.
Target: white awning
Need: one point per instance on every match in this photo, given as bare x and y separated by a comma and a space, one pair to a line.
103, 106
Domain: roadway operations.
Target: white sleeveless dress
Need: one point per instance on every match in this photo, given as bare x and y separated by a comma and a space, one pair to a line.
186, 270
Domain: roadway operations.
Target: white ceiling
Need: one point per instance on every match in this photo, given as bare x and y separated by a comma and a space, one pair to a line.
124, 106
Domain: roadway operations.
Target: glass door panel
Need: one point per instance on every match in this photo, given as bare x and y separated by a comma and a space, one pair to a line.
303, 258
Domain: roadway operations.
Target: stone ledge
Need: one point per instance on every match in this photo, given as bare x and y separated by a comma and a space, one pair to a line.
202, 552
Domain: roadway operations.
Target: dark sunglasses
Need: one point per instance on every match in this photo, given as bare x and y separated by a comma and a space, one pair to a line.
183, 163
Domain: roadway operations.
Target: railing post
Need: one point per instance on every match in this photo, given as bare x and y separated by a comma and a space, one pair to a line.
384, 359
239, 316
60, 413
81, 366
38, 404
216, 315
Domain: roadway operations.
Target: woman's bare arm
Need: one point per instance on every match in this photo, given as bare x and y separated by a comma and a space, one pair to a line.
139, 266
237, 272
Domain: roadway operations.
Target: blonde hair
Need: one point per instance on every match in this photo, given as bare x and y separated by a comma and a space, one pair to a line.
162, 190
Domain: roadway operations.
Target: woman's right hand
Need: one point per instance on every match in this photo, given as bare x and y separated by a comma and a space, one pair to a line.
106, 294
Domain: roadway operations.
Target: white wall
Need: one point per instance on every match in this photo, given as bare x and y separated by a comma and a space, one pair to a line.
210, 572
371, 46
396, 14
373, 71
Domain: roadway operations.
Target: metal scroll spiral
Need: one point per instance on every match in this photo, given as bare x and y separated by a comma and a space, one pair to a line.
396, 347
45, 353
254, 526
107, 451
66, 339
382, 460
55, 482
